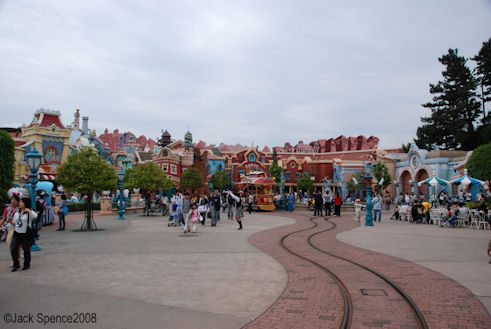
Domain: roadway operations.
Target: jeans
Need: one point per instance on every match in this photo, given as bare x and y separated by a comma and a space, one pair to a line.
328, 208
375, 212
230, 212
61, 221
215, 216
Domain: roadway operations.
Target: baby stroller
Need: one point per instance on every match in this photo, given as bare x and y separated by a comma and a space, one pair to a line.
174, 218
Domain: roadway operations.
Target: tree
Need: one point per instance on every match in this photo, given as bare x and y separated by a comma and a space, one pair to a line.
478, 164
381, 171
191, 179
406, 147
455, 108
352, 186
7, 162
86, 172
483, 74
275, 172
148, 177
219, 180
305, 183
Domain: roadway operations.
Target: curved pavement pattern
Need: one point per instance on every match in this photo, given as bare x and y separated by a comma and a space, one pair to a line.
304, 304
140, 273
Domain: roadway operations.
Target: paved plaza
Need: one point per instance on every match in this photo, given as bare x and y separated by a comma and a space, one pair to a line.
140, 273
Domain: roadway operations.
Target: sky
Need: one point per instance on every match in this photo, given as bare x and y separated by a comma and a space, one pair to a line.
264, 72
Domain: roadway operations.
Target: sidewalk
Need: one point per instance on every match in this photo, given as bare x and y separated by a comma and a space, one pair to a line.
459, 253
140, 273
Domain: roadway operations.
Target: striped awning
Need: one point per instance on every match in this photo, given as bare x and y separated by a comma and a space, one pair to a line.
41, 177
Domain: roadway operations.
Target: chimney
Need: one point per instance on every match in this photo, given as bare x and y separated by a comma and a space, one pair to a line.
85, 125
76, 123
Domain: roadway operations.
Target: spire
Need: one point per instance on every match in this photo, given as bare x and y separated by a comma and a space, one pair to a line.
188, 139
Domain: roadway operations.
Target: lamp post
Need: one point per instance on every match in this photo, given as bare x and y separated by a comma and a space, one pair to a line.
283, 203
34, 159
369, 207
121, 200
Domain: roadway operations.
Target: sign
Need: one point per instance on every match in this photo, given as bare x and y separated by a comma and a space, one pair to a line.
130, 150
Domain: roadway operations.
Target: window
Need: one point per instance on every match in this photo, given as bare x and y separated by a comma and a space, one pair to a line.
263, 160
252, 157
165, 167
292, 165
242, 172
173, 169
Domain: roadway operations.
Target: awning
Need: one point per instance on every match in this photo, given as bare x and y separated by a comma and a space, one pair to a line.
466, 180
258, 181
433, 181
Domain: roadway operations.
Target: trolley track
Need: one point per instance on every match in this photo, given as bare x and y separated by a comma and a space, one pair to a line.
342, 287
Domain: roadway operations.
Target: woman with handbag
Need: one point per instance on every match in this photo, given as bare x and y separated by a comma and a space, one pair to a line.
62, 213
23, 234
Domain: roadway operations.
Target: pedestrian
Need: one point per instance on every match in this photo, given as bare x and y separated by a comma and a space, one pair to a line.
215, 208
338, 200
318, 204
40, 208
193, 218
489, 249
23, 234
62, 212
231, 206
185, 209
250, 201
327, 202
239, 213
291, 201
203, 208
388, 201
6, 223
358, 206
377, 207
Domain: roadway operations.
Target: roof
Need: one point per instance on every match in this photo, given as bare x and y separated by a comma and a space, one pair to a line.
46, 118
446, 154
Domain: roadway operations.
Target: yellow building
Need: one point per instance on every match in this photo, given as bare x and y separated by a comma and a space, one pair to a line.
50, 137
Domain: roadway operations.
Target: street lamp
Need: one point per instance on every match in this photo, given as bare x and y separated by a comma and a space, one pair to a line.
283, 204
121, 200
369, 207
34, 159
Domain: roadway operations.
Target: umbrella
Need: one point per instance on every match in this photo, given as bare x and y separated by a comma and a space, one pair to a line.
466, 180
433, 181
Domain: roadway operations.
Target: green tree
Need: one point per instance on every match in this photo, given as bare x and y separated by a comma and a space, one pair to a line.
352, 186
406, 147
191, 179
478, 164
381, 171
86, 172
148, 177
219, 180
483, 74
305, 183
7, 163
275, 172
455, 108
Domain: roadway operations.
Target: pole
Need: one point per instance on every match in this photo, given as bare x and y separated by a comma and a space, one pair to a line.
369, 206
32, 192
121, 201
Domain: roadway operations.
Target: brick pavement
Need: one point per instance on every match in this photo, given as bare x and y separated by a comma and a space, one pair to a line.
444, 302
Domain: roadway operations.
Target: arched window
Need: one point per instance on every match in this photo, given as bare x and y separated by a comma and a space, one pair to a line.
252, 157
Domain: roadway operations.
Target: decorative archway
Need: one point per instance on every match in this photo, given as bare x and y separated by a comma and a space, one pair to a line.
422, 174
404, 180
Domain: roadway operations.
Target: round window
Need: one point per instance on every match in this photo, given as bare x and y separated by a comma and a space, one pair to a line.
292, 164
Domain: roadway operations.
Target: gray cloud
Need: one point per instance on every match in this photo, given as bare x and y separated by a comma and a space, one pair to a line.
268, 71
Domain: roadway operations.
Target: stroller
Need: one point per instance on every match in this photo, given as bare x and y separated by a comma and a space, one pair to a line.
174, 218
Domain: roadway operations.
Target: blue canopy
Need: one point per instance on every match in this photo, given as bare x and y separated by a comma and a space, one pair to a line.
466, 180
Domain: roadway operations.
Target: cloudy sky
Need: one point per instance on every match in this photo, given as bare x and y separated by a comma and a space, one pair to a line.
265, 71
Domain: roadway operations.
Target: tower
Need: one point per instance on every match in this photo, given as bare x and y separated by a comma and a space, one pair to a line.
165, 139
188, 153
76, 122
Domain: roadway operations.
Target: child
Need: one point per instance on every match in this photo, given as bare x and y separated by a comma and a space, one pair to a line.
358, 209
396, 215
194, 218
